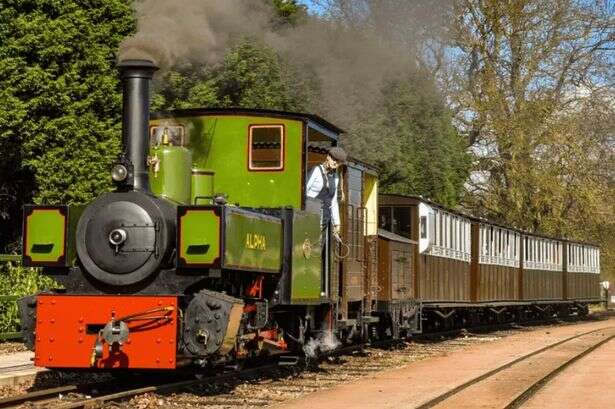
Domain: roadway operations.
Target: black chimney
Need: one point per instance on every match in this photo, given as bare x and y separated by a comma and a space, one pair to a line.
136, 77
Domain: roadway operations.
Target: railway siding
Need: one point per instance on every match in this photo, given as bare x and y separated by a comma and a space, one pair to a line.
509, 385
592, 374
419, 383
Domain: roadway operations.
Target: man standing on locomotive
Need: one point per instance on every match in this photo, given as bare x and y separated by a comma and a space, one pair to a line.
322, 185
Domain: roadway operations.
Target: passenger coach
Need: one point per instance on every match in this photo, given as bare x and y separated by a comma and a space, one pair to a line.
467, 269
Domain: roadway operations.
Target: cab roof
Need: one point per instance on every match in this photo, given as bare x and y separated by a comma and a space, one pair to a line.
313, 121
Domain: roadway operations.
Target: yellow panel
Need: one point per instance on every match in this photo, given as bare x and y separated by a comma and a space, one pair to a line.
370, 200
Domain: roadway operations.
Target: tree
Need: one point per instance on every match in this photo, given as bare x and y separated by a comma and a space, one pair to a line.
413, 142
60, 103
287, 12
530, 74
251, 75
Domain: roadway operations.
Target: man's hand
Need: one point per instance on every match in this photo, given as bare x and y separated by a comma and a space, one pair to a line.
336, 229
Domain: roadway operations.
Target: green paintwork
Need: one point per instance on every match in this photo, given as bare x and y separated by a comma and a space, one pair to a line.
252, 241
199, 242
45, 236
307, 258
173, 178
220, 143
202, 186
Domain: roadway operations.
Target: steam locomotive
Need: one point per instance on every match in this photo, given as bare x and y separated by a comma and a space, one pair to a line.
208, 252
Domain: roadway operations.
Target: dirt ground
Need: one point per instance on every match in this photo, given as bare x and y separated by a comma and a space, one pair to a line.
421, 381
11, 347
586, 384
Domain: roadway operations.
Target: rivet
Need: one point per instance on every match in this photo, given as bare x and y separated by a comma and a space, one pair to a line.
51, 339
80, 340
128, 341
170, 360
81, 329
159, 302
38, 339
53, 302
157, 360
81, 319
170, 341
50, 358
158, 341
52, 320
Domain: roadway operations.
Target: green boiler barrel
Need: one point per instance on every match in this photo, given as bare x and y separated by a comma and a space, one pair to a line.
170, 172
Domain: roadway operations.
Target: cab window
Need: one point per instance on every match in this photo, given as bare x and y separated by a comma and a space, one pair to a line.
266, 147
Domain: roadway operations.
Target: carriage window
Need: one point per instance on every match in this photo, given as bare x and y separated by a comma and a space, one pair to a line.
432, 228
386, 218
174, 135
401, 221
266, 147
423, 227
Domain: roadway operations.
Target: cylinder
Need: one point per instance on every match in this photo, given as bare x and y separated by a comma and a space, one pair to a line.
202, 186
136, 77
170, 175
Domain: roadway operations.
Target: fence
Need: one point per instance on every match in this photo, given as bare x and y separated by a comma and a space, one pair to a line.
5, 336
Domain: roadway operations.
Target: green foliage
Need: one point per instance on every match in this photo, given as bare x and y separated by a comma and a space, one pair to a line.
60, 104
532, 83
253, 76
59, 100
288, 12
250, 76
15, 280
413, 142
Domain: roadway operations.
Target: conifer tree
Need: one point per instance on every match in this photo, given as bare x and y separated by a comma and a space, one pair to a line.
60, 101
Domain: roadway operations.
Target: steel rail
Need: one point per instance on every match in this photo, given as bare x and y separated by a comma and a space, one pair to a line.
539, 384
166, 387
37, 395
162, 388
444, 396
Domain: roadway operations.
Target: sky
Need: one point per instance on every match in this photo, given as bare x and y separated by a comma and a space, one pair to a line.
311, 6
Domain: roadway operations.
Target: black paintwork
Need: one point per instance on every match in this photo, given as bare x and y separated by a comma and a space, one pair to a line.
136, 78
150, 223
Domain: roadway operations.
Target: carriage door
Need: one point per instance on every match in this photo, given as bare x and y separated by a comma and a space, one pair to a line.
353, 259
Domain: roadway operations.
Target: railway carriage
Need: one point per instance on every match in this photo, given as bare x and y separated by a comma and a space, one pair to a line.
471, 270
208, 251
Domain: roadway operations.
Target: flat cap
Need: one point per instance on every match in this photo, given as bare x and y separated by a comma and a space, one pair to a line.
338, 154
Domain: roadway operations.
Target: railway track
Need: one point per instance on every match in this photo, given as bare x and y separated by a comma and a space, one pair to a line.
239, 388
511, 384
80, 396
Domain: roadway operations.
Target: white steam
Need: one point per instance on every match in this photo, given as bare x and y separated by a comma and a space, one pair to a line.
326, 341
